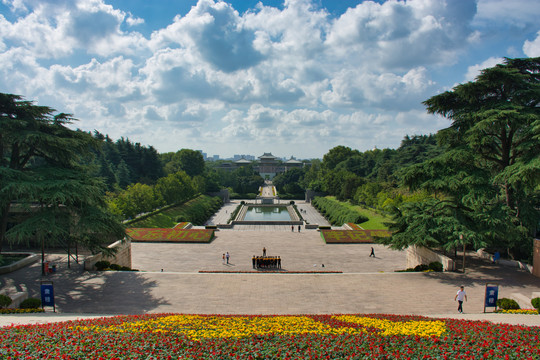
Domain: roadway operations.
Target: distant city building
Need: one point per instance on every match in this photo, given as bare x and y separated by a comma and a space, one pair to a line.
202, 153
237, 157
242, 162
292, 163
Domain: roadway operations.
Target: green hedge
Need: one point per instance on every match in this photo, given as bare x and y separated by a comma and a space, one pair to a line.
536, 303
336, 213
507, 304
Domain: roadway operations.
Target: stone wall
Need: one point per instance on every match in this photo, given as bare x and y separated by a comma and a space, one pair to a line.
122, 256
417, 255
536, 258
16, 296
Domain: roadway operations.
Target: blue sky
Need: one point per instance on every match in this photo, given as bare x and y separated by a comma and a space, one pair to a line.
295, 77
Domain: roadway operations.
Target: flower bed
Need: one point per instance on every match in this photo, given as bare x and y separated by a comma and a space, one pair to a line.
351, 236
181, 225
519, 311
170, 235
353, 226
20, 311
173, 336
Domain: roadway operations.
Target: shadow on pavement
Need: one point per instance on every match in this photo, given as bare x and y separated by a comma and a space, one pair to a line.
78, 291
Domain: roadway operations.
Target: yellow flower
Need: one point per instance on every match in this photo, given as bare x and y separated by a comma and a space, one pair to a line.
388, 327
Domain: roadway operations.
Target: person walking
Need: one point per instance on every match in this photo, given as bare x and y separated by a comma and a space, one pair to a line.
372, 252
227, 256
264, 251
461, 294
299, 227
292, 228
223, 259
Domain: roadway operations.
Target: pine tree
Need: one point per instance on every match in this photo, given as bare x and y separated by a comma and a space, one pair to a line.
41, 175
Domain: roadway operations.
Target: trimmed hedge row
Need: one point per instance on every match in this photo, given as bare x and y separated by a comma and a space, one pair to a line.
336, 213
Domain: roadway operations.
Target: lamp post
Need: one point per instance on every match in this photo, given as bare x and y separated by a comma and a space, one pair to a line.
464, 248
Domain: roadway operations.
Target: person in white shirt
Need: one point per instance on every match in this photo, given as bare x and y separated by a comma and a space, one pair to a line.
461, 294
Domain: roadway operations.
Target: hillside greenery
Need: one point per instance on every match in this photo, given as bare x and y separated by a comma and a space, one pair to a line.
196, 211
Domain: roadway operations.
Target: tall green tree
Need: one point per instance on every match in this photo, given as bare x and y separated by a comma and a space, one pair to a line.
191, 161
485, 184
336, 155
42, 179
497, 117
134, 200
175, 188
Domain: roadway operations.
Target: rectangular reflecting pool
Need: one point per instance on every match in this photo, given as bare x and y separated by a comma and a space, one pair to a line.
267, 213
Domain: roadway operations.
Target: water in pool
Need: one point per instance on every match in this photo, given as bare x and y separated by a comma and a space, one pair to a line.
267, 213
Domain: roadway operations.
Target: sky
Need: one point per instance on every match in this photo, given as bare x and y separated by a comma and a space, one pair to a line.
293, 77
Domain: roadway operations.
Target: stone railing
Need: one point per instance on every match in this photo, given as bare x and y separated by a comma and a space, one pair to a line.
513, 263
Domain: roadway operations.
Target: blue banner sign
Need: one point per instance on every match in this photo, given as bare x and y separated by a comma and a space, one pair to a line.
47, 295
492, 292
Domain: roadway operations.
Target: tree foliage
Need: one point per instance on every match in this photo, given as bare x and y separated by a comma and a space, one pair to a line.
45, 191
123, 162
187, 160
485, 185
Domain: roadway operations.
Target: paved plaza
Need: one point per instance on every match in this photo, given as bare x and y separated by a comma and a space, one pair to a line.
365, 285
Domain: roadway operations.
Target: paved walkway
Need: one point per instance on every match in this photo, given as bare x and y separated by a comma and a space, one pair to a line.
366, 285
308, 212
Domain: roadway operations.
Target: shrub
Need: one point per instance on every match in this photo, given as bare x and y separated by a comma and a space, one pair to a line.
336, 213
5, 301
102, 265
421, 267
536, 303
115, 267
125, 268
234, 213
507, 304
30, 303
435, 266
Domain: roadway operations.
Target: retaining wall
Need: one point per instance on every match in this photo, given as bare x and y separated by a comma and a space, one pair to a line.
417, 255
29, 259
122, 256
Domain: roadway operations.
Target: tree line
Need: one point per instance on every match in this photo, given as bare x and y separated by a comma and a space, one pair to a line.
475, 183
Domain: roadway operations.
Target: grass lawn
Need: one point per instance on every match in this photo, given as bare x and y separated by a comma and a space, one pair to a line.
376, 221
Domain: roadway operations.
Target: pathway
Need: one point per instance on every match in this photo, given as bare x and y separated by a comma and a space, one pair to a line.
367, 285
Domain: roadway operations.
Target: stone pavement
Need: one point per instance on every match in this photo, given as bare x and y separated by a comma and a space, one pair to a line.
366, 285
309, 214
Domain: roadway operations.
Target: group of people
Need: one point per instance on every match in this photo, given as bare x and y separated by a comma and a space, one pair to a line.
226, 258
266, 262
299, 227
